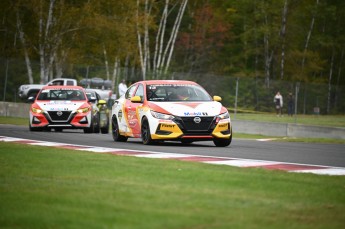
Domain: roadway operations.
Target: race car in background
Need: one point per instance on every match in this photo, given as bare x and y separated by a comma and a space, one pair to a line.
170, 110
62, 107
101, 111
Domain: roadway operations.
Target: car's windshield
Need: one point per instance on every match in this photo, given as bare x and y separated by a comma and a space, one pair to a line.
176, 92
61, 94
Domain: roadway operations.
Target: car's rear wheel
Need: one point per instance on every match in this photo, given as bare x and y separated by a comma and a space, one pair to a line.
145, 133
116, 131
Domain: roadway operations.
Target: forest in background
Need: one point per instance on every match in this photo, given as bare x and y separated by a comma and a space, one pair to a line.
268, 45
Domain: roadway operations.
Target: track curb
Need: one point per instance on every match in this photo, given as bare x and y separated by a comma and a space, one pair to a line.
237, 162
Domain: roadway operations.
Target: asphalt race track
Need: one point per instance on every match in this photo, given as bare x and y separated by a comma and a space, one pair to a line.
301, 153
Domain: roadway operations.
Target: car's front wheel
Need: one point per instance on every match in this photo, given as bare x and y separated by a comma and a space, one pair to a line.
105, 129
89, 130
116, 131
219, 142
35, 128
96, 124
145, 133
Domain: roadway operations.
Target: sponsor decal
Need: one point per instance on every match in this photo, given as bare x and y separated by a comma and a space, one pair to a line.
153, 87
58, 109
198, 113
167, 126
223, 125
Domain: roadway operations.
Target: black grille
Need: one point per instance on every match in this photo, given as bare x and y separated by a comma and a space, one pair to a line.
188, 125
54, 115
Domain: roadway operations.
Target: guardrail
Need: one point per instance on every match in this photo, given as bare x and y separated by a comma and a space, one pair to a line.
20, 110
287, 129
247, 127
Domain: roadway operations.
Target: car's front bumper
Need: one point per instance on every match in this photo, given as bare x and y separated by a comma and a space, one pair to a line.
75, 120
170, 130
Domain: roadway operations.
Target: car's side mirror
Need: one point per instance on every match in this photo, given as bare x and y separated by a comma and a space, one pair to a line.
92, 100
136, 99
217, 98
31, 99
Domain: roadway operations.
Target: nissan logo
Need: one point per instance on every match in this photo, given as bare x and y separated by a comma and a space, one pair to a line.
59, 113
197, 119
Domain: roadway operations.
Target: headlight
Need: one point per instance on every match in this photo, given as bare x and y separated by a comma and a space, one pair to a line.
224, 115
84, 110
36, 110
162, 116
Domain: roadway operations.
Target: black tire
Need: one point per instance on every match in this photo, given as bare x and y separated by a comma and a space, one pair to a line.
105, 130
116, 132
186, 141
145, 132
35, 128
219, 142
89, 130
96, 124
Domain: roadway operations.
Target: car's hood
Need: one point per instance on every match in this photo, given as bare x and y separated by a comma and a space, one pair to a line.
54, 105
210, 108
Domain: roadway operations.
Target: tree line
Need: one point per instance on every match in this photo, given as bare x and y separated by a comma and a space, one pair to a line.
289, 40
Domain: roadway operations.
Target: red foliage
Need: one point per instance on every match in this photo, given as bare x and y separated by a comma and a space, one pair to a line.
209, 30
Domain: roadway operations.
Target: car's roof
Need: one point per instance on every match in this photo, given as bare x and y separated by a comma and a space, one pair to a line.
62, 87
154, 82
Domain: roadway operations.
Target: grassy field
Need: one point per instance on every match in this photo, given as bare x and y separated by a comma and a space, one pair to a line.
14, 121
43, 187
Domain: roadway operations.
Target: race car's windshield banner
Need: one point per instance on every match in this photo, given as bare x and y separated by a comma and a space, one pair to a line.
176, 92
61, 94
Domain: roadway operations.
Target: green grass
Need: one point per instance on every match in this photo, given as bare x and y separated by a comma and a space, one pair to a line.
315, 120
14, 121
43, 187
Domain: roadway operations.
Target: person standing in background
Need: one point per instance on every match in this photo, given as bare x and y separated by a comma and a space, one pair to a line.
122, 87
278, 101
290, 104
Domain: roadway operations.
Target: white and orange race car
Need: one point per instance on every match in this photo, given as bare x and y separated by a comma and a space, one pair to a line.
170, 110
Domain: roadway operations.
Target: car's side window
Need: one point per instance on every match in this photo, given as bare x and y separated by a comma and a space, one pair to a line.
130, 91
140, 91
70, 82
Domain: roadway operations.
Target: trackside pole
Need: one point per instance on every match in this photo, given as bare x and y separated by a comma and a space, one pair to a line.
235, 110
296, 99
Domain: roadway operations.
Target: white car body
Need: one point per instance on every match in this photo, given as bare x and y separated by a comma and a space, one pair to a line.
196, 118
